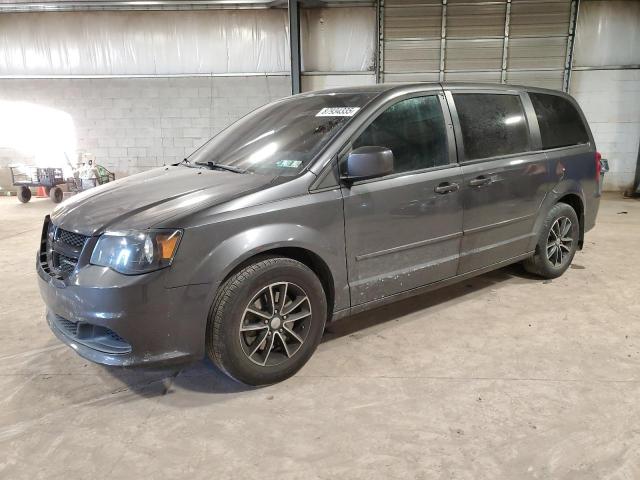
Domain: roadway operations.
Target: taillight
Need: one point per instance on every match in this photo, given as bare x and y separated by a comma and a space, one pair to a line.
598, 166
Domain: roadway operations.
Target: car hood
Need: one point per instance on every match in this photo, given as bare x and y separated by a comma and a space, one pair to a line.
141, 201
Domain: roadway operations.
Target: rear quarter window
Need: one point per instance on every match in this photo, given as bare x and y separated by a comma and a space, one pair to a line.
560, 123
492, 124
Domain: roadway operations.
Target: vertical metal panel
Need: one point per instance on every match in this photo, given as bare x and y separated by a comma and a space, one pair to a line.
502, 41
476, 21
540, 19
412, 56
474, 54
411, 77
534, 53
402, 21
536, 78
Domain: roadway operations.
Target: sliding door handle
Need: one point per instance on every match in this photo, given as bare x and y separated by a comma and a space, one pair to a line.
447, 187
480, 181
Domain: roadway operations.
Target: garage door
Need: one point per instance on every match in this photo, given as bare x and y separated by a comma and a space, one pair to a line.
509, 41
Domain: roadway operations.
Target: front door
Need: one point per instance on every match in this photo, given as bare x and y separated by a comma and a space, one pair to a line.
504, 180
404, 230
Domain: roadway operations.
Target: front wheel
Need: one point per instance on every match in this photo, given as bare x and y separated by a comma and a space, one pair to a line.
266, 321
557, 244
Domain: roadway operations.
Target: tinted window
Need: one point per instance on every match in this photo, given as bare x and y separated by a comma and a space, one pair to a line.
414, 130
492, 125
281, 138
559, 121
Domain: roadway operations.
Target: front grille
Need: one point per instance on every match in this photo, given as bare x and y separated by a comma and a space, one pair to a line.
65, 264
71, 238
60, 250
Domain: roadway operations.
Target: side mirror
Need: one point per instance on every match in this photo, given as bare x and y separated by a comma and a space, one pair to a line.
367, 162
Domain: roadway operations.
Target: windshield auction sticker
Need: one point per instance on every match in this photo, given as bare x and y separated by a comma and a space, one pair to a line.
289, 163
337, 112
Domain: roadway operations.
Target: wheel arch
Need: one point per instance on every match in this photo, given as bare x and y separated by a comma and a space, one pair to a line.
565, 192
303, 255
575, 201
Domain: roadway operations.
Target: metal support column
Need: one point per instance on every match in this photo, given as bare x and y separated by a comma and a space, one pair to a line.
568, 63
294, 44
380, 40
443, 39
505, 43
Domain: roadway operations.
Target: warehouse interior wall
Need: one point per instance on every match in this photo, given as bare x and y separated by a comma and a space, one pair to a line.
606, 82
128, 124
134, 89
138, 89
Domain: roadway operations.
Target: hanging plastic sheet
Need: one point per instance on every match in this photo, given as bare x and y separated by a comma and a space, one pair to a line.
338, 39
608, 34
144, 43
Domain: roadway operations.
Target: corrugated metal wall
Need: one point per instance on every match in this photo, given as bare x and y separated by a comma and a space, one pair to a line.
508, 41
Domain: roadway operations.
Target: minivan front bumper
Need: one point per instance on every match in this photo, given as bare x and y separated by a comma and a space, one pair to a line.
123, 320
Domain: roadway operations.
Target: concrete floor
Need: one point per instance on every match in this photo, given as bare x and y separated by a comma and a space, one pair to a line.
503, 376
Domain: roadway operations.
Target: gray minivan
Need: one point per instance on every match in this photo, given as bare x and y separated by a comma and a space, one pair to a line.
312, 208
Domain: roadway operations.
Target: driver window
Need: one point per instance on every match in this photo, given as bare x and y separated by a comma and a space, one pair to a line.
414, 129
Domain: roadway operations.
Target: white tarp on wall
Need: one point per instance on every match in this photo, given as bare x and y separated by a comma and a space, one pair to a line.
338, 39
183, 42
144, 43
608, 34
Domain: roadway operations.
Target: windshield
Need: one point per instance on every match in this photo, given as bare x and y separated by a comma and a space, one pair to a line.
281, 138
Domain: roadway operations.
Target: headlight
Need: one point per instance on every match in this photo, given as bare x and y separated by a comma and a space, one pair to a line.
132, 253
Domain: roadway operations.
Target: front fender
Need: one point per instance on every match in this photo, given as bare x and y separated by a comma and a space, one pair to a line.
244, 245
312, 222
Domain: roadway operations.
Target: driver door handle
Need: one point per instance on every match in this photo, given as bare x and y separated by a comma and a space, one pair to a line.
480, 181
447, 187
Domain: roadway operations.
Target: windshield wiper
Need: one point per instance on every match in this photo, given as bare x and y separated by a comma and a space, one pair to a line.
220, 166
184, 162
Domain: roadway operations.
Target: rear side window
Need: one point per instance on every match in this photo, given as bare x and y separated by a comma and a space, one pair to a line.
492, 124
414, 130
559, 121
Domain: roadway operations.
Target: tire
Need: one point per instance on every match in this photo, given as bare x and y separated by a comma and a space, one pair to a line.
24, 194
554, 254
56, 195
230, 348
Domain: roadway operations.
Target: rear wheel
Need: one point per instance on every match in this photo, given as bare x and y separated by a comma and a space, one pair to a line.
266, 321
557, 244
56, 195
24, 194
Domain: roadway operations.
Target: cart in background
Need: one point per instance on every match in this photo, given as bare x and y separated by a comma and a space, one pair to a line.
26, 177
